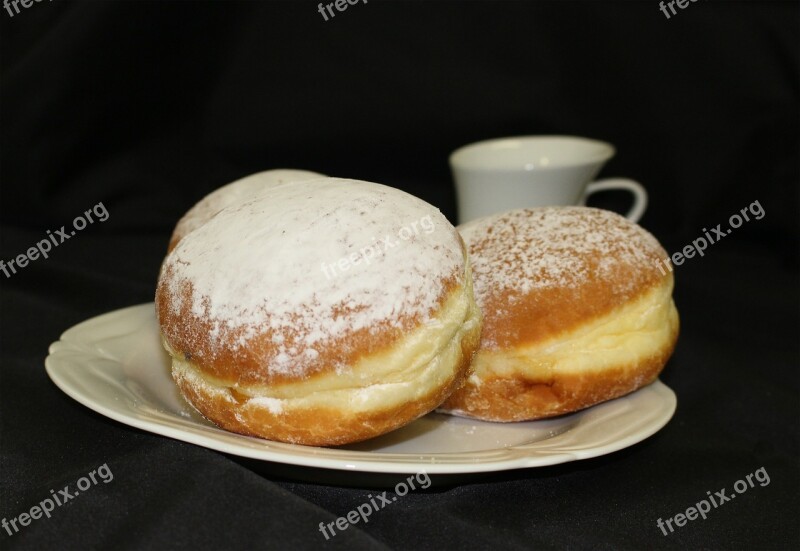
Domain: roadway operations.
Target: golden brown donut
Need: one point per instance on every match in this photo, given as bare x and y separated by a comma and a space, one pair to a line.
236, 192
576, 312
324, 312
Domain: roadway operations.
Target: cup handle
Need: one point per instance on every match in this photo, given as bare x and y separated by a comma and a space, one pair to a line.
638, 191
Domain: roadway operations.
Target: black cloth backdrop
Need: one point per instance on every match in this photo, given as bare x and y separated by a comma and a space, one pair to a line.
149, 106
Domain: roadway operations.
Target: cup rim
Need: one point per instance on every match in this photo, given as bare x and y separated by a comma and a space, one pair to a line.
460, 157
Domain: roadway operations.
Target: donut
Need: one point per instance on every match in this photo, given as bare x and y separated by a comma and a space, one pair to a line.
321, 313
577, 310
233, 193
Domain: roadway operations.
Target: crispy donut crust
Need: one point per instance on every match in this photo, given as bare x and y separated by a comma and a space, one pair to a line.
324, 426
188, 331
361, 379
320, 425
521, 398
248, 366
535, 359
312, 427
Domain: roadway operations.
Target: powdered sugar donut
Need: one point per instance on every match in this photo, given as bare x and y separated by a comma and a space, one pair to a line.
323, 312
236, 192
576, 311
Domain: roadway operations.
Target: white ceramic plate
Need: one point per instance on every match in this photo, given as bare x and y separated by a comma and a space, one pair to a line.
114, 364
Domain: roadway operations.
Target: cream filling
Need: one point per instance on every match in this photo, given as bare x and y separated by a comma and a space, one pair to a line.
422, 362
622, 337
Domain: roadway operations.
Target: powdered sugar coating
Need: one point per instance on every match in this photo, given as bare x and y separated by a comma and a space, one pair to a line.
258, 268
236, 192
538, 272
528, 249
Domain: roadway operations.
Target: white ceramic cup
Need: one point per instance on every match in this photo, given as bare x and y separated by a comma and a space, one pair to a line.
534, 171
